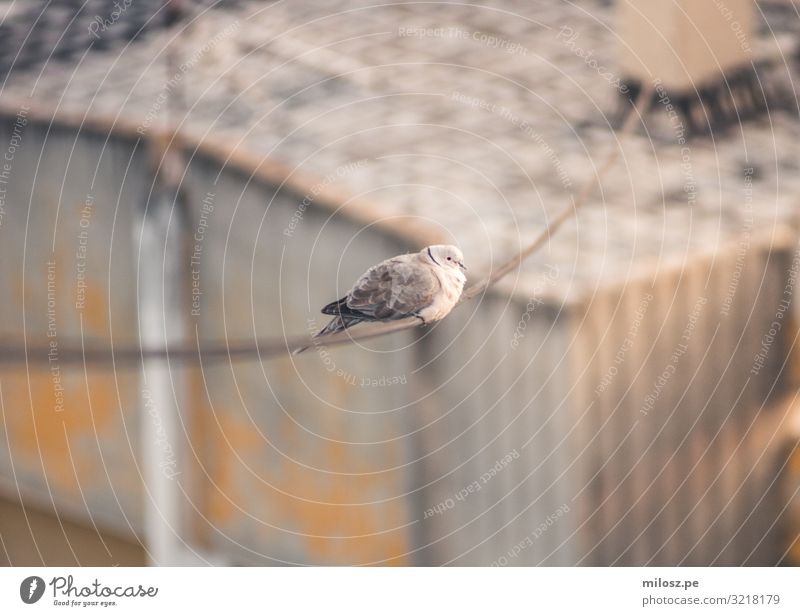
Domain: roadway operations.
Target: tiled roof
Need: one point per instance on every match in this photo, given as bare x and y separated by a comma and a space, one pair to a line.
482, 121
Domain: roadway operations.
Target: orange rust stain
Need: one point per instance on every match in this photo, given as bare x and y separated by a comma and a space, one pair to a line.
95, 311
44, 428
199, 421
361, 526
230, 433
334, 531
794, 551
794, 464
50, 423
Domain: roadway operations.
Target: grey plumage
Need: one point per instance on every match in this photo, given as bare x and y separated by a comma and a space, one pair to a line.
408, 285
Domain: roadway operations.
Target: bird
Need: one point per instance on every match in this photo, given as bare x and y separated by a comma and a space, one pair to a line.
426, 285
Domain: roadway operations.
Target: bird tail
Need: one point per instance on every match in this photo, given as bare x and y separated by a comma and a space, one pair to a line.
337, 324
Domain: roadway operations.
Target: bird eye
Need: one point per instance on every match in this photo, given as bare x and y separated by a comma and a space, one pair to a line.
449, 258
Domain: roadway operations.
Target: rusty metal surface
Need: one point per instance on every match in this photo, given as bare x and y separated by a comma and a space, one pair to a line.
614, 466
66, 274
271, 471
503, 436
306, 454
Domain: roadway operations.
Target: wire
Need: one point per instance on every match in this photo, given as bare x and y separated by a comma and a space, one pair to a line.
114, 357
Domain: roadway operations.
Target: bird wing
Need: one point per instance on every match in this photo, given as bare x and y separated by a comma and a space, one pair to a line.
394, 289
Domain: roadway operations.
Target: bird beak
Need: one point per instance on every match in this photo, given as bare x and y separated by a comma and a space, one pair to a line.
462, 266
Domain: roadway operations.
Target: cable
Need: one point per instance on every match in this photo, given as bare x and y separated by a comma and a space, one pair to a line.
252, 350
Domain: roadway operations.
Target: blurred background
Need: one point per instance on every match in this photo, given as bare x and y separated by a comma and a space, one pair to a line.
198, 176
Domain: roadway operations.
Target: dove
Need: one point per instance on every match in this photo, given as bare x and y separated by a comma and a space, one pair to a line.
426, 285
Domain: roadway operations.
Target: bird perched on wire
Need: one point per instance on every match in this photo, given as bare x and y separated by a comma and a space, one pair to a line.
425, 285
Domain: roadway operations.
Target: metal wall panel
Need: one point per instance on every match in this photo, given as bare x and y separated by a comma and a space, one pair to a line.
69, 434
443, 445
304, 456
686, 478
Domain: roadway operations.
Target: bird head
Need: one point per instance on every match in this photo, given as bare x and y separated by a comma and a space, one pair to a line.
446, 256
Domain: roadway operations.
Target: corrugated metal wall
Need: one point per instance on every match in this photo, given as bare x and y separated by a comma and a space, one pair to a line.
306, 464
515, 432
69, 434
292, 460
643, 436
